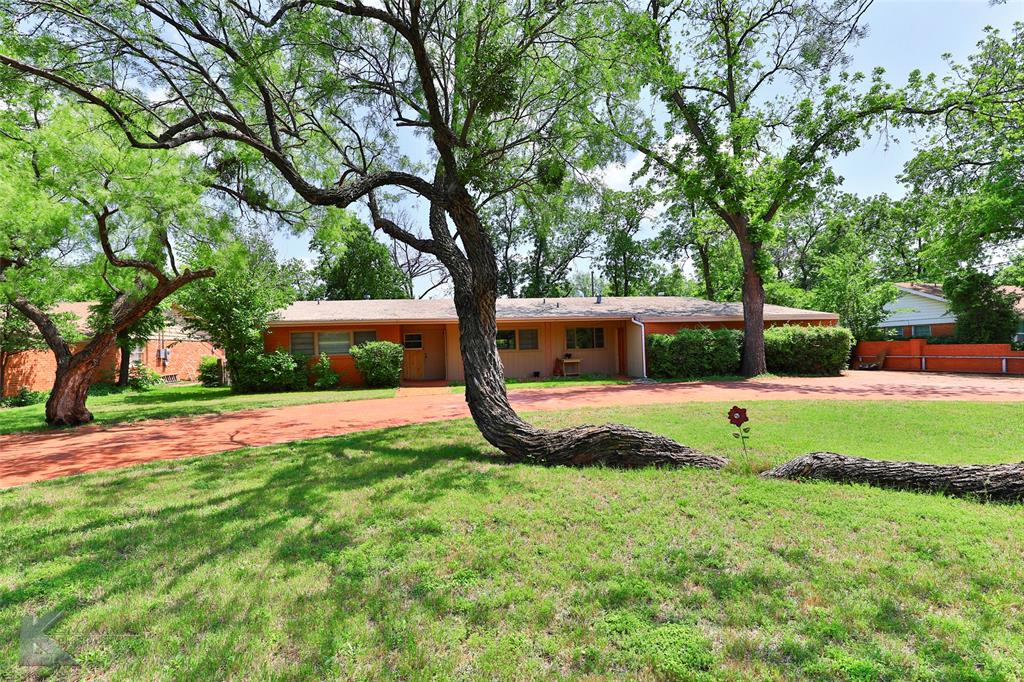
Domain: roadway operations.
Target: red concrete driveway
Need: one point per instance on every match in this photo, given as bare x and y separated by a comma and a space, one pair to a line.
36, 456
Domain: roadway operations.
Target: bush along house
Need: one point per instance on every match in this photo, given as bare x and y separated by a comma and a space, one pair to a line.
172, 352
537, 337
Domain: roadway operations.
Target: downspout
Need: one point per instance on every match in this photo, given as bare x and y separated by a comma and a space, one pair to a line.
643, 347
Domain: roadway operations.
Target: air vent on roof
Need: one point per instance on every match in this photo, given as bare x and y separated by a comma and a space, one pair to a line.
599, 298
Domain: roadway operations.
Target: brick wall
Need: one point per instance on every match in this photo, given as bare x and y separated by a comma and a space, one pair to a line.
35, 369
938, 356
673, 327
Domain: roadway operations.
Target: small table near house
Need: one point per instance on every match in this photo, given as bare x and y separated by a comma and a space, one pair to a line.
568, 367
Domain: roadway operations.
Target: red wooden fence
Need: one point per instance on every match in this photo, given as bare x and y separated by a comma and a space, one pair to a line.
917, 355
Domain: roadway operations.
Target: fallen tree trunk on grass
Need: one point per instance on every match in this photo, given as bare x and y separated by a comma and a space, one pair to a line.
996, 482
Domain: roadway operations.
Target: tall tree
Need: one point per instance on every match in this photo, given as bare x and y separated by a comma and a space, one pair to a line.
320, 90
972, 166
353, 264
232, 309
94, 196
757, 105
626, 258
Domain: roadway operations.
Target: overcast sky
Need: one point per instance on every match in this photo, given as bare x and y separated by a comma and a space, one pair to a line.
903, 35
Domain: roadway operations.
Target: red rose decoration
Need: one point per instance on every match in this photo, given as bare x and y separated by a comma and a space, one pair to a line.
738, 416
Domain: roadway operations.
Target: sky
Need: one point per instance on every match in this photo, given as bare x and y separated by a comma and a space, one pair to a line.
903, 35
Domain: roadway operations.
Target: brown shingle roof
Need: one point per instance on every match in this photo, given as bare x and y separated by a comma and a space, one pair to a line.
443, 310
1019, 293
923, 288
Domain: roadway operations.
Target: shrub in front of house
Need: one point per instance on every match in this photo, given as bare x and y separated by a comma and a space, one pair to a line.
271, 372
209, 372
24, 397
691, 353
142, 378
380, 363
323, 376
807, 351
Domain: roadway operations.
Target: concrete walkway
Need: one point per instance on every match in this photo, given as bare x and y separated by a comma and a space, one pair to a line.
37, 456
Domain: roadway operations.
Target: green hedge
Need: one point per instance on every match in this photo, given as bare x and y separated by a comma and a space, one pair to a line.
691, 353
271, 373
209, 372
807, 351
380, 363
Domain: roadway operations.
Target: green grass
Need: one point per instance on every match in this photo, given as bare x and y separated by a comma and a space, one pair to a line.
555, 382
410, 553
179, 401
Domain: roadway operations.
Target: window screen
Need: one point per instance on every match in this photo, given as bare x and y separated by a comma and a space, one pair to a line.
506, 339
334, 343
921, 330
364, 337
302, 343
413, 341
529, 339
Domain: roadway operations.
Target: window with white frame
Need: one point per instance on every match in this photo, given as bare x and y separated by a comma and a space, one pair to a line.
921, 330
584, 337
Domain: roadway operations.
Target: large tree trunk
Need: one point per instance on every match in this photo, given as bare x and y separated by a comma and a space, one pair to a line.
997, 482
753, 362
475, 281
125, 360
66, 404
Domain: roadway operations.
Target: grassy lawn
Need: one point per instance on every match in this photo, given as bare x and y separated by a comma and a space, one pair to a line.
410, 554
179, 401
555, 382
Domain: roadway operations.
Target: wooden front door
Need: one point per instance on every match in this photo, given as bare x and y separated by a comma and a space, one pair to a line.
424, 354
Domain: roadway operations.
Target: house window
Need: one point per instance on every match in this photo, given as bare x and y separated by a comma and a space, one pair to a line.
334, 343
364, 337
413, 341
529, 339
506, 339
584, 337
136, 358
302, 343
921, 330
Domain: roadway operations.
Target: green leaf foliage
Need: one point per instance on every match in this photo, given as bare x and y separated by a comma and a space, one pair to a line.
380, 363
692, 353
807, 351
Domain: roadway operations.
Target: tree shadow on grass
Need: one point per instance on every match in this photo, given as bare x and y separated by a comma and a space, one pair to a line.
157, 527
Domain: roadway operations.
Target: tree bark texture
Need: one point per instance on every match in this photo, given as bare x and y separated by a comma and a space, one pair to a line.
75, 373
995, 482
125, 362
753, 362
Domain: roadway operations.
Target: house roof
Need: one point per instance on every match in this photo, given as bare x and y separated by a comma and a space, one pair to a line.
935, 291
174, 330
1019, 293
667, 308
927, 289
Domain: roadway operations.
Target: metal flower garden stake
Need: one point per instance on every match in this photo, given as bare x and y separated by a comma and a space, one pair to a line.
738, 417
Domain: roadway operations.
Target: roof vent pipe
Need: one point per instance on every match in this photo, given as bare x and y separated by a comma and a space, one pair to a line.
599, 298
366, 297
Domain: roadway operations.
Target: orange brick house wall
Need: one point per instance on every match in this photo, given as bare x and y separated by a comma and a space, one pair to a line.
673, 327
937, 357
35, 369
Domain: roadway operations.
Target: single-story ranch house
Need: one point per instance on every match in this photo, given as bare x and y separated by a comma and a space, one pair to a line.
922, 311
605, 334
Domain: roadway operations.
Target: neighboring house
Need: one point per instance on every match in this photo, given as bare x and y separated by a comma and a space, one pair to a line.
172, 352
606, 336
923, 311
